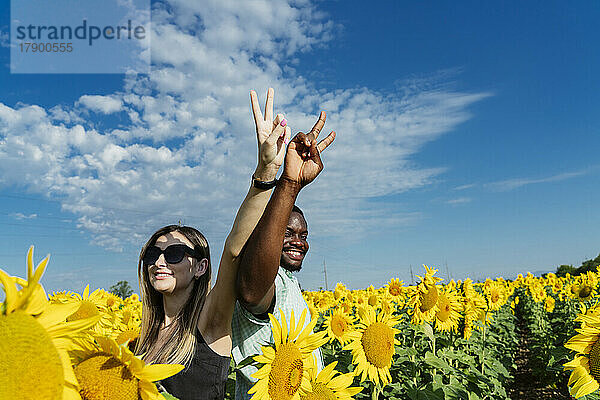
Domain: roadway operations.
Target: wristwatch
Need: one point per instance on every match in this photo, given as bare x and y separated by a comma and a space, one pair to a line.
262, 184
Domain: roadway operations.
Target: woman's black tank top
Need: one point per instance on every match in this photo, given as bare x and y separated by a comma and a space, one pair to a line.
204, 379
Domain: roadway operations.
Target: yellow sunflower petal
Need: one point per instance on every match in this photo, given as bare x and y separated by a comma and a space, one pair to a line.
327, 373
276, 330
148, 391
341, 381
156, 372
57, 312
68, 328
299, 327
284, 328
11, 292
292, 325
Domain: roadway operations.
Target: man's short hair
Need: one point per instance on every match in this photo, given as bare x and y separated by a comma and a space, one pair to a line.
298, 210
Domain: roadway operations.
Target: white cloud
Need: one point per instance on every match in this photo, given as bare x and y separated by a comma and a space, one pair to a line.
103, 104
511, 184
189, 148
21, 216
465, 187
460, 200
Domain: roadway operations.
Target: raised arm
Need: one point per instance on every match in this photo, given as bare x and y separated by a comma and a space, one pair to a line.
260, 260
272, 134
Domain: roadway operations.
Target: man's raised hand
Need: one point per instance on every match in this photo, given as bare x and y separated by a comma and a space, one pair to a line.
303, 160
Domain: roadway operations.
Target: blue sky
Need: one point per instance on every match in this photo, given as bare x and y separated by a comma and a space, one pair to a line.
467, 138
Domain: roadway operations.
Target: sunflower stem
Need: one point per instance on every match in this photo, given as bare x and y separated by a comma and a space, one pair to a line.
375, 392
433, 350
483, 349
412, 357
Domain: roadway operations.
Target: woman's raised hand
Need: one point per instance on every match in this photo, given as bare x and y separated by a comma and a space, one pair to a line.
272, 136
303, 159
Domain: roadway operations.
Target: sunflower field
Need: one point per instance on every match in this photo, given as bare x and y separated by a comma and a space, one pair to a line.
527, 338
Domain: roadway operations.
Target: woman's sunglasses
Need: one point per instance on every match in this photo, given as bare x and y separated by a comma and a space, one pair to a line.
173, 254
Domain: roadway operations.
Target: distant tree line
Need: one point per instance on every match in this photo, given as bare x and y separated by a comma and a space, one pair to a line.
588, 265
121, 289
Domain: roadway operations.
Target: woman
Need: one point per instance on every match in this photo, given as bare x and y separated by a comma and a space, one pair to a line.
184, 321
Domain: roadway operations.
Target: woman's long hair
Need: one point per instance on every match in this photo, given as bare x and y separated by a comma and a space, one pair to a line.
181, 344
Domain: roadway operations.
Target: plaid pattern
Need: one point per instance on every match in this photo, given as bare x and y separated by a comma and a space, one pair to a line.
250, 333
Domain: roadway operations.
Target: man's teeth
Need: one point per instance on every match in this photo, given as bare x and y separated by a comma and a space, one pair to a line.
294, 252
162, 274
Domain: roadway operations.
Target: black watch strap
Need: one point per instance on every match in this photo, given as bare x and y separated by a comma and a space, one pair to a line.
262, 184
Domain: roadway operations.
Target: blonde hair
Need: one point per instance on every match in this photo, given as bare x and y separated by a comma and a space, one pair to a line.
181, 343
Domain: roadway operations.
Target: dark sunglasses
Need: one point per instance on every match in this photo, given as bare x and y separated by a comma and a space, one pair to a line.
173, 253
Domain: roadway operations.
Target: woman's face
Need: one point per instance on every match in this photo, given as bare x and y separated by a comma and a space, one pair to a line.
169, 278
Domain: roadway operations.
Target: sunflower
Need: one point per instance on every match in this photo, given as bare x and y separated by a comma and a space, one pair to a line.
513, 304
95, 304
394, 287
323, 304
110, 371
448, 315
549, 304
495, 294
572, 289
538, 291
35, 340
338, 326
557, 285
424, 299
372, 345
128, 329
340, 291
474, 306
326, 386
585, 367
345, 306
91, 305
286, 361
586, 292
128, 335
373, 300
386, 304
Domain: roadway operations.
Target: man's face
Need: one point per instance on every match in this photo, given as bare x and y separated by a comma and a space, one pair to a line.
295, 245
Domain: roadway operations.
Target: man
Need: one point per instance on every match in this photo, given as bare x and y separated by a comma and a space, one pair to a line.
275, 249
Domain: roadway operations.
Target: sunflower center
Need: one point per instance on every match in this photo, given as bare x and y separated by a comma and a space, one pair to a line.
30, 364
86, 309
103, 377
595, 361
495, 296
320, 392
585, 291
373, 300
126, 315
444, 313
429, 299
394, 291
338, 325
378, 343
286, 372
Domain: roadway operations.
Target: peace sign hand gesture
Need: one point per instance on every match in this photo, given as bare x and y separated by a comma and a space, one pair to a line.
271, 135
303, 159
